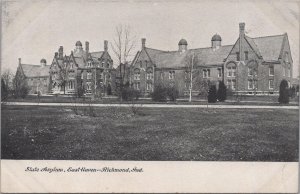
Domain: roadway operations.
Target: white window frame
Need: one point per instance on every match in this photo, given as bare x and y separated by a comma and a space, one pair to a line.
171, 74
219, 72
289, 72
89, 75
271, 67
271, 88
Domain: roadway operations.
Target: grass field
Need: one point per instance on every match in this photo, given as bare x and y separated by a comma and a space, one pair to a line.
231, 100
30, 132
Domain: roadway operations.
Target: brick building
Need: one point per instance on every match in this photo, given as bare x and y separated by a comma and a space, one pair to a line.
36, 77
92, 72
249, 66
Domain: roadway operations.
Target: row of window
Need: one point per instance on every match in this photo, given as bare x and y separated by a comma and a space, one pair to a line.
149, 86
90, 64
252, 84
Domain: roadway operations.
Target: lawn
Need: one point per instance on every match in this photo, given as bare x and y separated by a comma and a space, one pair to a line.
115, 133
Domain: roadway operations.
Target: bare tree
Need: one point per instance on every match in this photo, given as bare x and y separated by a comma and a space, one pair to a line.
122, 46
192, 71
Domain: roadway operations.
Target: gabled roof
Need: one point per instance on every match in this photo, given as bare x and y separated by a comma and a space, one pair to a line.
80, 61
35, 70
97, 54
175, 59
269, 46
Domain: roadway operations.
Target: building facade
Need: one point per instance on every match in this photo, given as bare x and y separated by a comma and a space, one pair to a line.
82, 71
36, 77
251, 66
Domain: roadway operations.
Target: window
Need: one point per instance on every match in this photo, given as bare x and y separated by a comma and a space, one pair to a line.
231, 84
149, 86
71, 84
286, 57
252, 71
289, 84
81, 75
271, 84
141, 64
136, 85
271, 70
89, 64
237, 56
171, 74
246, 55
284, 71
89, 75
251, 84
187, 85
206, 73
149, 73
161, 75
231, 71
219, 72
107, 65
102, 64
89, 85
137, 74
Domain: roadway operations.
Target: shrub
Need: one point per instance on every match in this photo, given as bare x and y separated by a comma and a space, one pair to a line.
221, 94
283, 92
172, 93
129, 94
212, 94
159, 94
4, 90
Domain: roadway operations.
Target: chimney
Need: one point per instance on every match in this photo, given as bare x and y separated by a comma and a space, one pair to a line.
143, 43
61, 52
105, 45
242, 37
87, 46
20, 61
242, 28
56, 55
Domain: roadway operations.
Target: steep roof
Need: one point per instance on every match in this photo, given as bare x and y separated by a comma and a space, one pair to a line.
97, 54
206, 56
269, 46
35, 70
80, 61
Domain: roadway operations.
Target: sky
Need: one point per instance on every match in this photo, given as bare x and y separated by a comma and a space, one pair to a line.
34, 29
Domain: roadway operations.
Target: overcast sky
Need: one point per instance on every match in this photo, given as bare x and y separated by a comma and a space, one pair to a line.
35, 29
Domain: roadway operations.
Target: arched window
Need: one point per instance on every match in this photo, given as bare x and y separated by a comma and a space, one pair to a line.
149, 73
137, 74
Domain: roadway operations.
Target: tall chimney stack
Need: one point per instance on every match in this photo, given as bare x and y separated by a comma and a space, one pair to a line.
87, 46
242, 37
105, 45
20, 61
61, 52
143, 43
55, 54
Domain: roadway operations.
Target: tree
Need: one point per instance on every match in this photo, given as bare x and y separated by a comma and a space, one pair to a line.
212, 94
283, 92
20, 86
159, 93
122, 47
221, 94
6, 84
4, 90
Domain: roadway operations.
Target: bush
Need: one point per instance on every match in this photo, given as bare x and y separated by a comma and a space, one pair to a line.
212, 94
4, 90
129, 94
283, 92
172, 93
221, 94
159, 94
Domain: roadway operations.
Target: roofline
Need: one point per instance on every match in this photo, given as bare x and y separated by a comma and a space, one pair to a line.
268, 36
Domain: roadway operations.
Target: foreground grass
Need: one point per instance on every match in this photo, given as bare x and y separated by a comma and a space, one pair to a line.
114, 133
